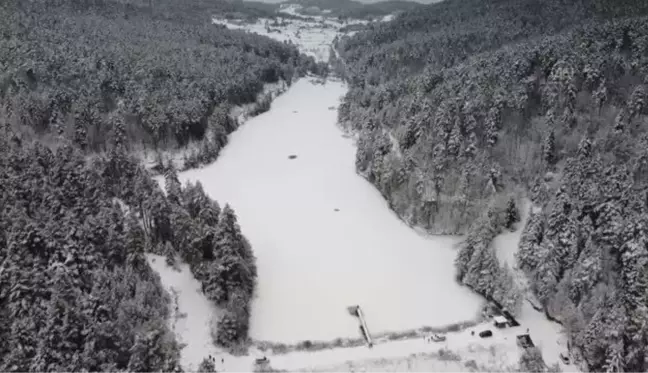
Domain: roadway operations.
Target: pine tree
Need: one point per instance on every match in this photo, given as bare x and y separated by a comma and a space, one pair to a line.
549, 149
512, 213
492, 126
80, 134
172, 184
530, 250
454, 141
637, 102
411, 135
585, 148
587, 271
621, 121
547, 274
601, 96
531, 361
507, 292
463, 259
207, 366
634, 295
471, 149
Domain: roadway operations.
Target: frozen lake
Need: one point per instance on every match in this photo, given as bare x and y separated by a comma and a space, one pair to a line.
314, 261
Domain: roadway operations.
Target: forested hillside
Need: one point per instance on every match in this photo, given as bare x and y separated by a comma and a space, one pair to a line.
160, 67
76, 293
75, 290
463, 105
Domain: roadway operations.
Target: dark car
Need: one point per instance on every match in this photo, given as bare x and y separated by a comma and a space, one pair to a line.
485, 334
261, 361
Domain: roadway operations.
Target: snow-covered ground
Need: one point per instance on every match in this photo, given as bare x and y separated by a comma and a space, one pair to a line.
496, 353
315, 261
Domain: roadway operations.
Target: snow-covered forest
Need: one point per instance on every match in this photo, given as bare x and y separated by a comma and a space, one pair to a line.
76, 292
75, 68
82, 84
464, 107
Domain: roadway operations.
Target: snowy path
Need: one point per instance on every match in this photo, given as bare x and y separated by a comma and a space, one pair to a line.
545, 333
192, 319
315, 261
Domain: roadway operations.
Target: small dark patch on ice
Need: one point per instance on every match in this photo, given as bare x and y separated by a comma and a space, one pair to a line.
336, 210
332, 108
294, 111
292, 156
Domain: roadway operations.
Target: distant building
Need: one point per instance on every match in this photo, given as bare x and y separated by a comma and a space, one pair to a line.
500, 321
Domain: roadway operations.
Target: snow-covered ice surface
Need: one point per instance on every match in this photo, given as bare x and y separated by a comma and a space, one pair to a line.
545, 333
314, 262
191, 319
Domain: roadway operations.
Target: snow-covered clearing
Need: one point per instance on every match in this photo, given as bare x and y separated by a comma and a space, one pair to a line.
545, 333
315, 261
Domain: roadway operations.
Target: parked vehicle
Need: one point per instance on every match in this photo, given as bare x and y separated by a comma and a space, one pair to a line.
564, 358
263, 360
435, 338
485, 334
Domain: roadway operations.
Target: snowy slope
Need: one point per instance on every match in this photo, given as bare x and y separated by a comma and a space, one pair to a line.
545, 333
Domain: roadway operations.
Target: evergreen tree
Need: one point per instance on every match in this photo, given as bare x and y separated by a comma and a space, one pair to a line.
207, 366
172, 184
531, 361
454, 141
512, 214
549, 149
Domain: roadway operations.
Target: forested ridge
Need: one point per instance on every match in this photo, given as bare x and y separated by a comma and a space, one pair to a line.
464, 106
81, 85
160, 67
76, 292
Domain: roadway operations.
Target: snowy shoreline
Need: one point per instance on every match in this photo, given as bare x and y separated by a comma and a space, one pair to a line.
382, 337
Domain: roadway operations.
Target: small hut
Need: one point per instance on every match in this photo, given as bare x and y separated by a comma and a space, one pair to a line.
500, 322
